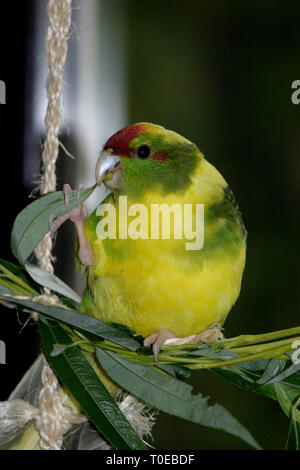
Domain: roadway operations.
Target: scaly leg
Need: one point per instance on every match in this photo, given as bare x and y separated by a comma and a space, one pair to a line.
76, 215
166, 338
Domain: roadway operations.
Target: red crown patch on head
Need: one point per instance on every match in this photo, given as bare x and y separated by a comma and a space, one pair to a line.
120, 141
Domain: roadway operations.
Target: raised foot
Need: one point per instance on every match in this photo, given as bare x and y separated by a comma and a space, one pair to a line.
166, 338
77, 215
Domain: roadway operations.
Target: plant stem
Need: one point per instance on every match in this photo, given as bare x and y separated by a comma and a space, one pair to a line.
256, 339
271, 353
15, 279
262, 347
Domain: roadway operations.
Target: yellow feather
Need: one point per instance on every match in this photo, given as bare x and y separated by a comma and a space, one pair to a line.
154, 289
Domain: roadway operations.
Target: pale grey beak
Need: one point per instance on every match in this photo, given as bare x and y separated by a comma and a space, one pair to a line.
106, 163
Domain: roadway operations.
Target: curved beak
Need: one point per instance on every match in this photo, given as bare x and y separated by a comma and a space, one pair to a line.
107, 163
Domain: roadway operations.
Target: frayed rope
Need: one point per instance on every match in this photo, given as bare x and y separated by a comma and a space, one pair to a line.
52, 419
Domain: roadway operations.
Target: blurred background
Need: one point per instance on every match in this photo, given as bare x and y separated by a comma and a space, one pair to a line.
217, 72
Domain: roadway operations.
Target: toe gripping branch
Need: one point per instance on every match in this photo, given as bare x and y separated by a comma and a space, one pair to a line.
77, 215
167, 338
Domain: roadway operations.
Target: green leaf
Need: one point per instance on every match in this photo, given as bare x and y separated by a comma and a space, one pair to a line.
46, 279
17, 280
247, 379
4, 289
179, 372
255, 365
213, 351
272, 370
85, 323
58, 349
170, 395
293, 440
286, 373
287, 398
79, 377
18, 272
287, 392
32, 224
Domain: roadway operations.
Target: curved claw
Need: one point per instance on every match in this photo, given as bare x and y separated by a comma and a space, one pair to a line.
80, 187
66, 190
51, 224
157, 340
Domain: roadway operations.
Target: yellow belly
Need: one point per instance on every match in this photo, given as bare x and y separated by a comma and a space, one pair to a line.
153, 292
154, 284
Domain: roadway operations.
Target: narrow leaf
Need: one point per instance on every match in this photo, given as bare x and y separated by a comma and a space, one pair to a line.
46, 279
286, 373
170, 395
293, 440
286, 398
32, 224
4, 289
58, 349
247, 379
17, 276
79, 377
80, 321
255, 365
274, 368
209, 351
18, 272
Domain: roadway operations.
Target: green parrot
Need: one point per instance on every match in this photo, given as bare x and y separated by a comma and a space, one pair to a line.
152, 283
155, 285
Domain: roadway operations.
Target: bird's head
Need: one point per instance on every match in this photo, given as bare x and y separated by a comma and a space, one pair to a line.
143, 156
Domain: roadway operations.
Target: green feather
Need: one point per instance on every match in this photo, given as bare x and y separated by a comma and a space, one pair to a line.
172, 175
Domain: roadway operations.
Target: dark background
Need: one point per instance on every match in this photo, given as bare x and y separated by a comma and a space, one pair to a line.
22, 345
219, 73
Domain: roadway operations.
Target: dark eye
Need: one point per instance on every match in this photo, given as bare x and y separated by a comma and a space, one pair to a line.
143, 151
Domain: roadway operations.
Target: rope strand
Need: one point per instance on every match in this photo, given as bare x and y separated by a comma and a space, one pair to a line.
53, 419
59, 13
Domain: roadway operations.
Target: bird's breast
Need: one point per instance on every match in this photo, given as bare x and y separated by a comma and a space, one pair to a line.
151, 283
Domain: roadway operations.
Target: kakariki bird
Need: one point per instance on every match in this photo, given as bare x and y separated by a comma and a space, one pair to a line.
154, 284
170, 283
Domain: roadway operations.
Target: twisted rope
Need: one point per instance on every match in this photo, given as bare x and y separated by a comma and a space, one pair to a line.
59, 13
53, 419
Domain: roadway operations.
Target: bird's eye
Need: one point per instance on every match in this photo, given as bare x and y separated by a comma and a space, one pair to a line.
143, 151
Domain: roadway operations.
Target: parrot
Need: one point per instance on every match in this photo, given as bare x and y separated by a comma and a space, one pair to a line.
164, 292
154, 285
